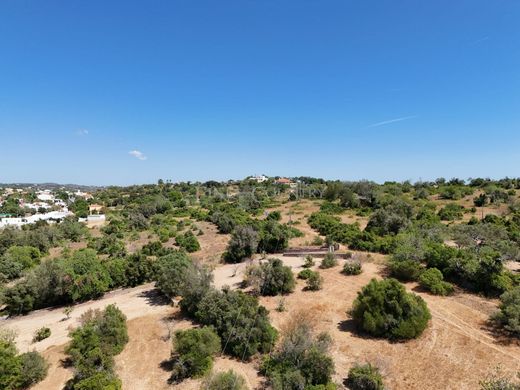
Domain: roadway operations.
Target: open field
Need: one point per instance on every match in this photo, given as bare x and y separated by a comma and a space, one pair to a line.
456, 350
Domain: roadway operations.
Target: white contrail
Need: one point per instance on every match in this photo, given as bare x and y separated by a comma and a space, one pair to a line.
392, 121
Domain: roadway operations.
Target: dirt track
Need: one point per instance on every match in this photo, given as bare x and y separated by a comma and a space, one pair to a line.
455, 351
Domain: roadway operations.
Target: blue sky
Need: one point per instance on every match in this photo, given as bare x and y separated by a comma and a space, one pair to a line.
383, 90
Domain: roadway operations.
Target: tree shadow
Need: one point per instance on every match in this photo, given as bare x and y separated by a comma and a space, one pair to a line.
348, 325
155, 298
500, 335
166, 365
66, 362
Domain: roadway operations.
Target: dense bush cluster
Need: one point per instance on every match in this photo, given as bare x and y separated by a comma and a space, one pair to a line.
188, 241
101, 336
451, 212
508, 315
384, 309
19, 371
238, 319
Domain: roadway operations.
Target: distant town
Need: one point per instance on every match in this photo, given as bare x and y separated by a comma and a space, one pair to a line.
29, 205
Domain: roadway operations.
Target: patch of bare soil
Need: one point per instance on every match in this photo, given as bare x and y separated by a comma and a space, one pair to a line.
58, 374
297, 213
350, 218
144, 238
212, 243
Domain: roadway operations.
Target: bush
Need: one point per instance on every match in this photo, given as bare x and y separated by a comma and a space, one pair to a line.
352, 268
308, 262
364, 377
34, 369
305, 274
508, 315
498, 380
302, 359
276, 278
406, 270
99, 381
451, 212
433, 281
238, 319
243, 244
41, 334
102, 335
19, 371
328, 261
228, 380
384, 309
188, 241
194, 350
314, 282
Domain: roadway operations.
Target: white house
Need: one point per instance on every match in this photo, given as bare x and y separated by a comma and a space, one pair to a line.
45, 195
259, 178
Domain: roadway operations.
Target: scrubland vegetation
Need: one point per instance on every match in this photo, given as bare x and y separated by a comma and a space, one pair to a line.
432, 240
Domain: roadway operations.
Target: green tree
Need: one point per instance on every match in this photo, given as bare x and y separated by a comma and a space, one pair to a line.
172, 273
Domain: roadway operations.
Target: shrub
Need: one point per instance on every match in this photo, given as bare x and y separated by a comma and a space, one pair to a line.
498, 380
352, 268
102, 335
188, 241
433, 281
193, 354
384, 309
243, 244
508, 315
228, 380
99, 381
406, 270
308, 262
318, 241
276, 278
364, 377
328, 261
41, 334
19, 371
302, 359
314, 282
238, 319
305, 274
451, 212
34, 369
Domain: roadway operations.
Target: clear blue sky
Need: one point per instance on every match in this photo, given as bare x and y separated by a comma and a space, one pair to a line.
383, 90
